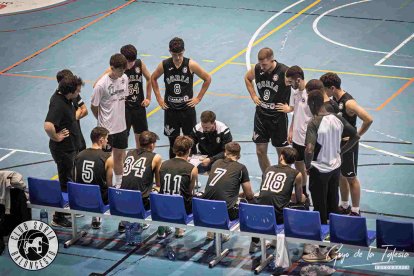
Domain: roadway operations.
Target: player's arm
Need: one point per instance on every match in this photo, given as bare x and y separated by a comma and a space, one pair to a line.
202, 74
348, 131
298, 187
53, 117
226, 138
362, 114
147, 76
154, 83
156, 165
284, 107
96, 98
193, 179
109, 166
290, 133
248, 79
247, 190
81, 112
310, 141
107, 71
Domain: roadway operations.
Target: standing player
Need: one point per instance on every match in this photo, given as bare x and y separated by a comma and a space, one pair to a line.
177, 176
350, 110
330, 105
94, 166
178, 103
297, 130
108, 106
225, 179
270, 119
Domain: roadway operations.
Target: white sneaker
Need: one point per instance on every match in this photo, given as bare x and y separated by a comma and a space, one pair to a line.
309, 248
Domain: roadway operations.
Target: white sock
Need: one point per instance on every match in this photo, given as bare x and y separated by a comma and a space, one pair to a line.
345, 204
118, 179
355, 209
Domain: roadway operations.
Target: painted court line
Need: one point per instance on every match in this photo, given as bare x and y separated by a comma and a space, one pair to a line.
387, 152
380, 63
7, 155
65, 37
26, 151
399, 91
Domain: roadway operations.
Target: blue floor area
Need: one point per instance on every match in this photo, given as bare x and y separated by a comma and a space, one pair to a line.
214, 32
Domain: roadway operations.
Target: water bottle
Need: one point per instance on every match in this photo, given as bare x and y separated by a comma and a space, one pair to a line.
44, 216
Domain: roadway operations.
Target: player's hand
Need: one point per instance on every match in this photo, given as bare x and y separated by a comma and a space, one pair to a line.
290, 136
256, 100
61, 135
146, 103
194, 101
162, 104
285, 108
205, 162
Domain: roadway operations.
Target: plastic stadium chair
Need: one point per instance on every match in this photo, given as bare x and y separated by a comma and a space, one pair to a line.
169, 208
395, 234
304, 225
212, 214
127, 203
350, 230
86, 197
47, 193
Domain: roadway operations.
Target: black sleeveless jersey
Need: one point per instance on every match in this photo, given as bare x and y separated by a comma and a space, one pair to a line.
178, 84
90, 169
331, 106
136, 92
138, 173
342, 109
224, 181
277, 185
272, 89
175, 177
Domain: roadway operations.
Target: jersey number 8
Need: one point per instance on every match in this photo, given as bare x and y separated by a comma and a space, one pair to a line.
177, 88
274, 182
266, 95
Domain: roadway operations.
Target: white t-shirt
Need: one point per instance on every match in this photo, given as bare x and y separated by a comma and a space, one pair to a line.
302, 115
109, 95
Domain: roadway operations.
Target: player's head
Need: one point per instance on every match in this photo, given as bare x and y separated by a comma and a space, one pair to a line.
331, 81
314, 84
147, 140
63, 73
130, 53
288, 155
182, 146
208, 121
177, 49
99, 135
118, 64
293, 76
70, 86
315, 101
265, 57
232, 150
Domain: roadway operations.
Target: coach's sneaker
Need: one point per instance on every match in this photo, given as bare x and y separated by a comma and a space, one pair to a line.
344, 211
309, 248
96, 223
61, 222
316, 257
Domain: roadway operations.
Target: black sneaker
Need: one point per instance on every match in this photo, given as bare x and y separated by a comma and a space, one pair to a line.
96, 222
344, 211
121, 228
61, 222
354, 214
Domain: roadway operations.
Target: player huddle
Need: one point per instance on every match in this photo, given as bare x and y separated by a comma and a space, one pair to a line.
321, 141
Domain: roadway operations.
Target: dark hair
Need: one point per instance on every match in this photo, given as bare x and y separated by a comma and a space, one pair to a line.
63, 73
331, 79
176, 45
69, 84
208, 117
295, 72
314, 84
129, 52
146, 138
233, 148
182, 145
289, 155
315, 101
265, 53
97, 133
118, 61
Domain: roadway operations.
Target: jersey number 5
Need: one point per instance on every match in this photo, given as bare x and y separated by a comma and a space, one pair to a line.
219, 174
138, 166
87, 171
274, 182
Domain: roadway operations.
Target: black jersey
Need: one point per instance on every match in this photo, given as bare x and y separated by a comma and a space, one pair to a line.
138, 172
342, 109
178, 84
272, 89
90, 169
277, 185
331, 106
224, 181
175, 177
136, 92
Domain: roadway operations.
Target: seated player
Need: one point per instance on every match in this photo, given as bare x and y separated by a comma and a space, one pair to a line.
94, 166
277, 185
140, 167
178, 176
226, 177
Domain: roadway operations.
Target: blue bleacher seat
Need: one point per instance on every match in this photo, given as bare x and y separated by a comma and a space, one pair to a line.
258, 219
46, 192
350, 230
169, 208
127, 203
86, 197
304, 225
212, 214
395, 234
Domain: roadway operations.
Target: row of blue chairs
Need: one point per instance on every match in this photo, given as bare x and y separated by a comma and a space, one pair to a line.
257, 219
